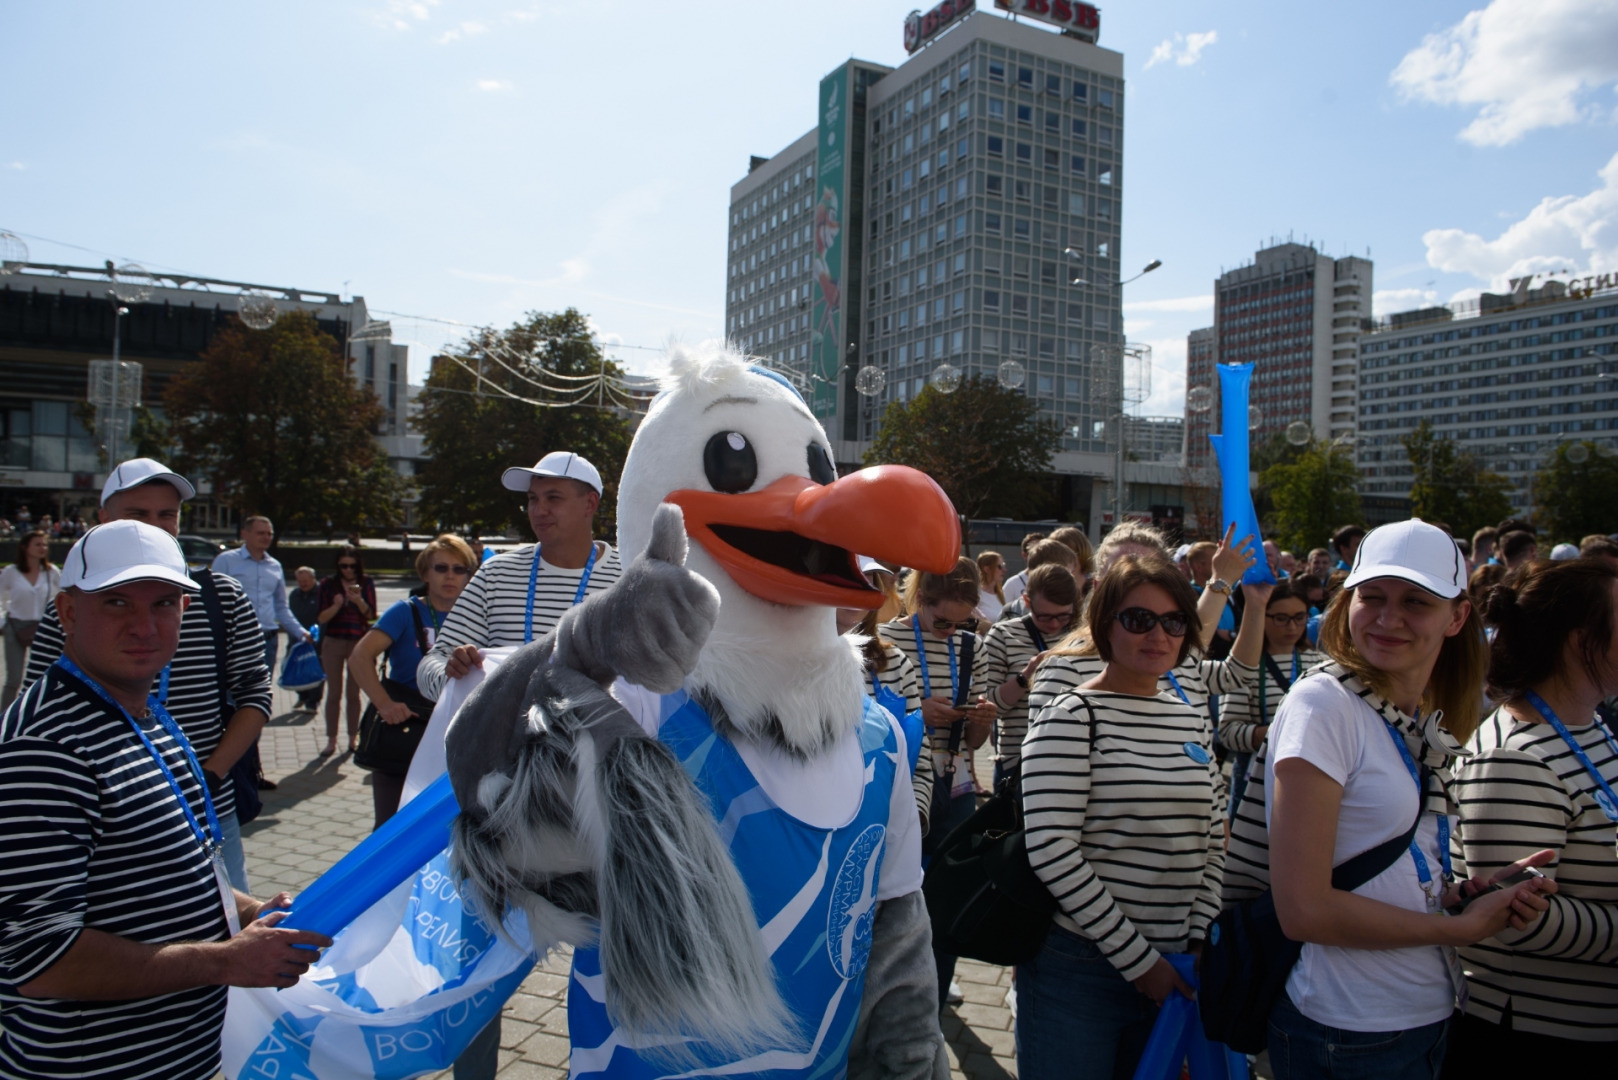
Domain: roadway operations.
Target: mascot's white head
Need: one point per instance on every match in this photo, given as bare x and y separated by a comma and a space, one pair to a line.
775, 531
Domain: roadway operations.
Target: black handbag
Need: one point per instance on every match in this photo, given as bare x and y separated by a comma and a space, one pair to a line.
387, 748
983, 897
1247, 958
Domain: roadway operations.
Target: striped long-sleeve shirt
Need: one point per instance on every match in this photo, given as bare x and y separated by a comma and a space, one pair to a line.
195, 681
1198, 679
492, 609
1010, 646
1522, 790
1124, 817
899, 675
932, 673
92, 837
1252, 705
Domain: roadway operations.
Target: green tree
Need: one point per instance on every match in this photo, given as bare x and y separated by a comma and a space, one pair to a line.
1451, 485
1311, 495
985, 445
475, 427
275, 421
1576, 493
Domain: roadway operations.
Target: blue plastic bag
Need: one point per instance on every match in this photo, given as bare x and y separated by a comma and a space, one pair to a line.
301, 670
1177, 1039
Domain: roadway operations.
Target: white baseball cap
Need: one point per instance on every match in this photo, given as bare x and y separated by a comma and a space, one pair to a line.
1181, 552
1412, 551
558, 463
1562, 552
143, 470
123, 551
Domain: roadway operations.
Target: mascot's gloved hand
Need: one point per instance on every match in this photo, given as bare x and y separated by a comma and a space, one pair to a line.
650, 626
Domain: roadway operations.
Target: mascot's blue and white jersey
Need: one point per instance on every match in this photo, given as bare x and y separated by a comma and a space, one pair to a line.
814, 890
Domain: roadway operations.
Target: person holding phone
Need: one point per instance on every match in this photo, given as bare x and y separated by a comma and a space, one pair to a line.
404, 633
1542, 774
1359, 753
347, 607
936, 639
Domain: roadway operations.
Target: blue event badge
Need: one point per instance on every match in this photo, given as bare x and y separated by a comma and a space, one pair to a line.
1197, 753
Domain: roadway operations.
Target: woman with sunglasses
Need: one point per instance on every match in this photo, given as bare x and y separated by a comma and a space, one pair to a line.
1543, 774
347, 606
403, 634
953, 706
1123, 810
1358, 755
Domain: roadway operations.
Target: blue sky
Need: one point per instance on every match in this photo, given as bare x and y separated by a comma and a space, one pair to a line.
468, 161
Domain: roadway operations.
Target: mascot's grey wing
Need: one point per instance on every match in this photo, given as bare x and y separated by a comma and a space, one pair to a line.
897, 1035
571, 812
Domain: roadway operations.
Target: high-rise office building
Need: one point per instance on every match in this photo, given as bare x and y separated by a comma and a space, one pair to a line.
940, 213
1508, 376
1296, 314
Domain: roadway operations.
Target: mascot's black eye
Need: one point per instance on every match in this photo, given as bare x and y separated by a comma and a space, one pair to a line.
821, 470
729, 462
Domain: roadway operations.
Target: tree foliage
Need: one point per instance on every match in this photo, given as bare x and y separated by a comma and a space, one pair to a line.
474, 431
1310, 496
1573, 499
1451, 485
274, 419
985, 445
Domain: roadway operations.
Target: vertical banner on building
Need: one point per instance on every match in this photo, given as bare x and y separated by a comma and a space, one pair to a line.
826, 334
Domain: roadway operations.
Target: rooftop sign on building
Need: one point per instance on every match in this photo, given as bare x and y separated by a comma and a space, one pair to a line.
920, 29
1080, 20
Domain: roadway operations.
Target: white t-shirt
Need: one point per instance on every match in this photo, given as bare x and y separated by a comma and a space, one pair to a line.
1327, 725
989, 604
825, 792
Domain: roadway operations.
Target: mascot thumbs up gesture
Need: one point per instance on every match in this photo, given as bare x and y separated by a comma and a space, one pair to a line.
727, 838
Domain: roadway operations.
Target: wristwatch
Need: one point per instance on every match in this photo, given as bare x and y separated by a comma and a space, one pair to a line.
1022, 680
1221, 587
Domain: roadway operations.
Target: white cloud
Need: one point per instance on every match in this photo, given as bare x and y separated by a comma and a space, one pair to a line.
1167, 397
1173, 303
404, 14
1564, 232
1525, 64
1183, 49
1388, 301
16, 166
466, 29
492, 86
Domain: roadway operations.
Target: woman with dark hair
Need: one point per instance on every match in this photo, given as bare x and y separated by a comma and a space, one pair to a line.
347, 607
1358, 757
1124, 818
957, 715
26, 590
1542, 774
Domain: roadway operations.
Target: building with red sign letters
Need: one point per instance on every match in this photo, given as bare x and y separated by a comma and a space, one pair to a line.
939, 214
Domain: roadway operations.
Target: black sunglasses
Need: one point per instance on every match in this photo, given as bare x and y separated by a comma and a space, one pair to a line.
1137, 620
450, 568
348, 566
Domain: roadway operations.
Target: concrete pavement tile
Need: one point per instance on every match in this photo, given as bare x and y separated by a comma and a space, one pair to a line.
983, 993
545, 1048
545, 984
985, 1067
514, 1031
951, 1025
529, 1007
984, 1016
528, 1070
1000, 1043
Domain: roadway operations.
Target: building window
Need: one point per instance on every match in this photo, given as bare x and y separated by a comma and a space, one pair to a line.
964, 109
991, 223
1078, 129
1103, 250
1104, 209
1025, 153
957, 341
961, 148
1025, 114
957, 303
1045, 382
996, 146
1053, 122
997, 70
991, 262
1076, 165
1081, 91
1020, 228
1019, 305
1104, 177
1025, 77
965, 73
991, 300
1020, 190
1047, 351
991, 341
1019, 266
1104, 99
960, 263
995, 185
960, 225
1053, 84
1053, 158
1019, 344
907, 178
1103, 135
997, 109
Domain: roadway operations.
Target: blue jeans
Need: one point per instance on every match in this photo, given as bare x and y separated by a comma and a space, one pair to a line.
272, 646
230, 846
1077, 1018
1301, 1049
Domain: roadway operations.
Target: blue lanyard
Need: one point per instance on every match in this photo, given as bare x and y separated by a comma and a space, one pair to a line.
1178, 689
1423, 873
1603, 794
921, 661
163, 685
209, 840
533, 583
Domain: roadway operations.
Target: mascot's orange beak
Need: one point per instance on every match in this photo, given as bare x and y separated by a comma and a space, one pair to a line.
794, 541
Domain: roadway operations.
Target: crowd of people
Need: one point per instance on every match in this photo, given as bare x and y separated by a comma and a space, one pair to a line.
1180, 738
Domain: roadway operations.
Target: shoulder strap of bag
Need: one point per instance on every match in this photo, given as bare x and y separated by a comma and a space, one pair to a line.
1368, 864
421, 630
1282, 682
214, 607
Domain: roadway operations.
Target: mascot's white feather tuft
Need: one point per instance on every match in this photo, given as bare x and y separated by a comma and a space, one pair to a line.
694, 368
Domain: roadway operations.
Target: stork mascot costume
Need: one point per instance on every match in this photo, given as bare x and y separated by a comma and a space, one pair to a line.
728, 839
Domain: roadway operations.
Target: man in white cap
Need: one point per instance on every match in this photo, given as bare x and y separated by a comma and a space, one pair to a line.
518, 596
220, 658
118, 928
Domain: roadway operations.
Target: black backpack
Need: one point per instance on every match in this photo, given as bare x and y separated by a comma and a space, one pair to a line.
1247, 958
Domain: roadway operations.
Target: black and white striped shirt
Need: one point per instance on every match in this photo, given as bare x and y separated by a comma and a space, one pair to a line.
1522, 790
194, 676
934, 659
1010, 646
92, 837
1124, 815
1198, 679
899, 675
492, 610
